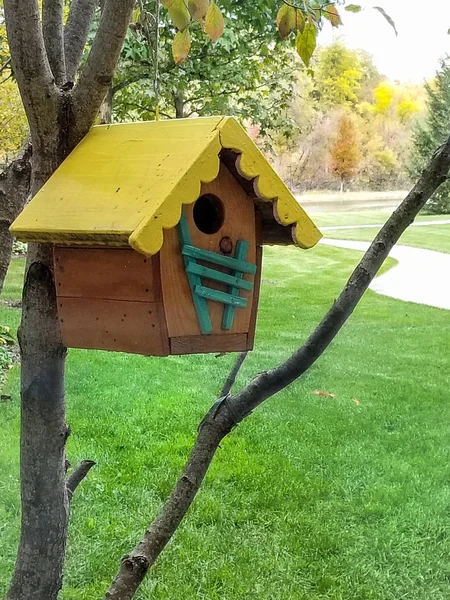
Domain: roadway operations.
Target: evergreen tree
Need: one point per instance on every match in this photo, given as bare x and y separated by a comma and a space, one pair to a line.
432, 133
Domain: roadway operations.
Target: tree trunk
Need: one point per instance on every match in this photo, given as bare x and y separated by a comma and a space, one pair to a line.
179, 104
40, 557
105, 113
14, 191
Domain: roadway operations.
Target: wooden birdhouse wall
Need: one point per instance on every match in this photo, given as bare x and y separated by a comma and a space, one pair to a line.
110, 299
237, 221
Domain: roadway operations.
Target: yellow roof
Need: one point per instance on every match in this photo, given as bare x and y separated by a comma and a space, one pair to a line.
126, 183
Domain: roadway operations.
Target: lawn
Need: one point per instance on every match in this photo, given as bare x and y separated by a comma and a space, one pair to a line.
310, 498
433, 237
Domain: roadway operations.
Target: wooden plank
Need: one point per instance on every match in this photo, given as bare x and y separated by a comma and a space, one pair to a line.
228, 312
199, 302
207, 273
220, 259
118, 325
221, 297
256, 290
202, 344
239, 224
111, 273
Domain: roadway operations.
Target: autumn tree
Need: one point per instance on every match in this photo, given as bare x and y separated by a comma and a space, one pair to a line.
60, 109
344, 152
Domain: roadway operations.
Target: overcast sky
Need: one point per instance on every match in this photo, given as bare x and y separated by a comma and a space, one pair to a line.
422, 36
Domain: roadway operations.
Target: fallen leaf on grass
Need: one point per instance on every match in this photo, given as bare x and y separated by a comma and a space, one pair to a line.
355, 401
324, 394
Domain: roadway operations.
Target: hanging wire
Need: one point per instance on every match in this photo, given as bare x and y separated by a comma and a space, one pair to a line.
151, 33
156, 61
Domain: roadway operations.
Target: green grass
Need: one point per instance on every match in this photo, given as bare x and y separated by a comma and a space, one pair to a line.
310, 498
434, 237
363, 217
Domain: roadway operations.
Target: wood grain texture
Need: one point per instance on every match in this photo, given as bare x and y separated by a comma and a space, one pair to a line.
256, 291
118, 325
239, 224
199, 344
128, 183
114, 274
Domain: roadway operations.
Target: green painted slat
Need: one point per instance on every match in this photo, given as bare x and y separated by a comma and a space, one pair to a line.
207, 273
219, 259
228, 310
201, 309
222, 297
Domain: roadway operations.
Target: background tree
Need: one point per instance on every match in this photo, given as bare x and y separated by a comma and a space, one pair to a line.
344, 152
432, 131
248, 72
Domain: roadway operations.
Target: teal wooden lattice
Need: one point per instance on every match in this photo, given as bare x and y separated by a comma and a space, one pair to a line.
234, 281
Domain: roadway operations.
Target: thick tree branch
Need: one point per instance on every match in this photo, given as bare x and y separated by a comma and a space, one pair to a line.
229, 411
31, 66
77, 476
76, 32
98, 71
52, 27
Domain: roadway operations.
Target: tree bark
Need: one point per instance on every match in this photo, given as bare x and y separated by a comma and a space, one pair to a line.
229, 411
52, 26
14, 191
40, 556
76, 32
179, 104
105, 112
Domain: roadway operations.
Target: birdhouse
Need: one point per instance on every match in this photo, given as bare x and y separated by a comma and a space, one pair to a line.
157, 231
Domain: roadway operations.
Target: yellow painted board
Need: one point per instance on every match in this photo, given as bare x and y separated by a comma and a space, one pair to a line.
126, 183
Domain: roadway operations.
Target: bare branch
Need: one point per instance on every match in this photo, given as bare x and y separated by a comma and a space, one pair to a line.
76, 32
229, 411
77, 476
229, 382
31, 66
98, 71
5, 65
52, 27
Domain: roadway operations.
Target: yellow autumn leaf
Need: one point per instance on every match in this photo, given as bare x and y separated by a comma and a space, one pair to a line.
178, 12
181, 45
306, 43
331, 13
214, 22
286, 20
300, 21
198, 8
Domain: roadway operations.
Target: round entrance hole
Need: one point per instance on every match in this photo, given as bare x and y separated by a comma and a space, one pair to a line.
209, 213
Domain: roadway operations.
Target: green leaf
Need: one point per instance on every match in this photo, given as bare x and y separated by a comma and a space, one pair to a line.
178, 13
354, 8
214, 22
198, 8
181, 45
306, 43
286, 20
330, 12
387, 17
300, 21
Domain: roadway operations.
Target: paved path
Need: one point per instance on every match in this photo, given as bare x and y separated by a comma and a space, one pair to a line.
421, 276
372, 226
